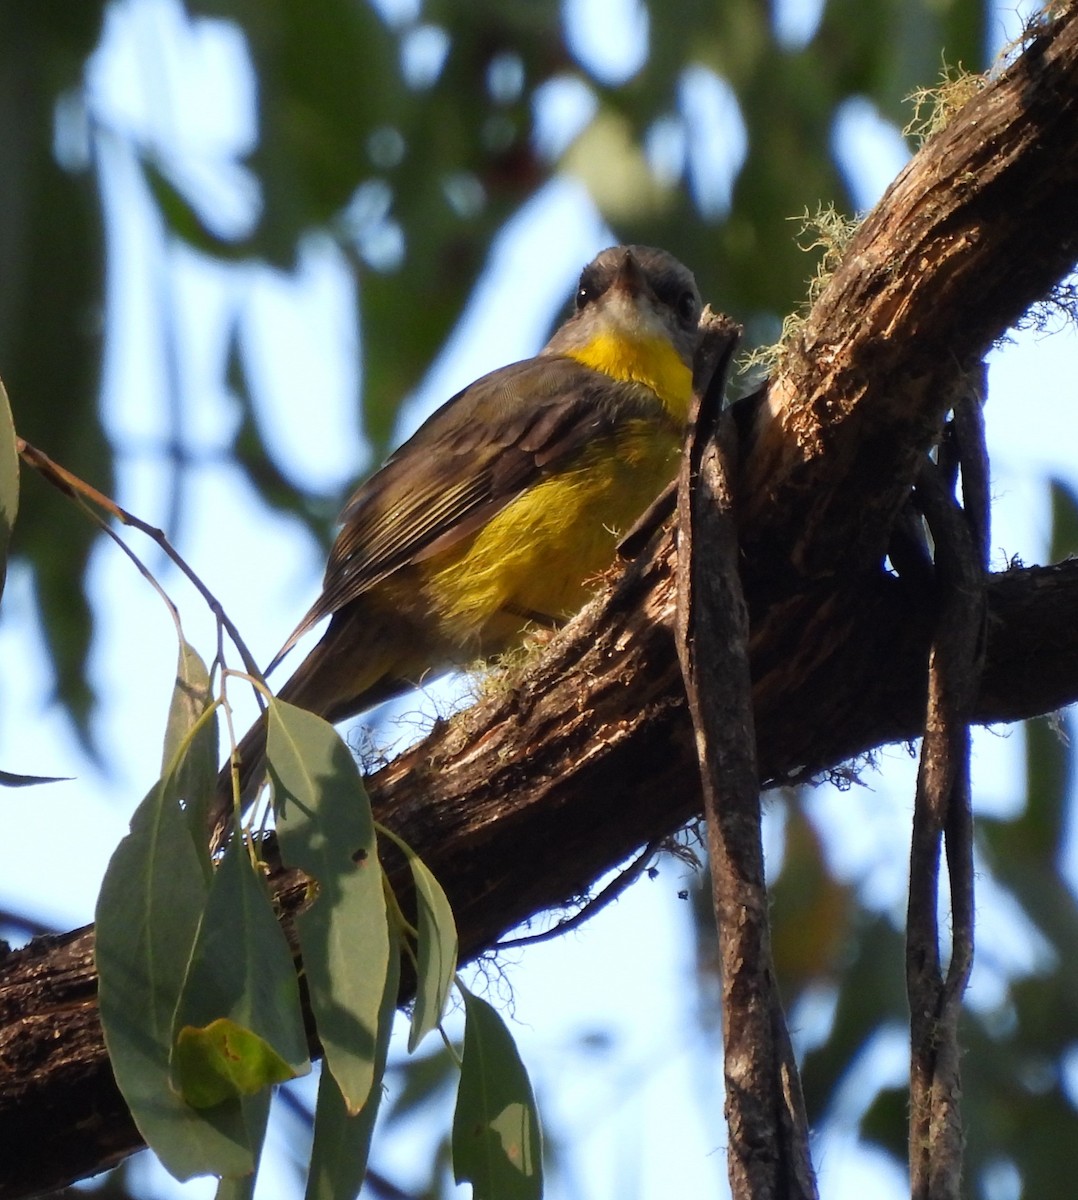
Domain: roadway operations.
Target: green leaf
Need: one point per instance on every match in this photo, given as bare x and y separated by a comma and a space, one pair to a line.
436, 951
222, 1060
184, 220
325, 829
1064, 540
51, 295
232, 1188
147, 918
497, 1144
342, 1142
9, 481
436, 945
238, 1024
10, 779
886, 1123
191, 746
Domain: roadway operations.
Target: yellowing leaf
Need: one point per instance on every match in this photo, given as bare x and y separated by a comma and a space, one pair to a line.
224, 1060
241, 985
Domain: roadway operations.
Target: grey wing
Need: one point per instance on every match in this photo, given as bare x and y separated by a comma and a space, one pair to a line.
464, 464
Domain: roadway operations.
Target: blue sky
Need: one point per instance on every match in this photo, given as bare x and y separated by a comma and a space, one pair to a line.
628, 973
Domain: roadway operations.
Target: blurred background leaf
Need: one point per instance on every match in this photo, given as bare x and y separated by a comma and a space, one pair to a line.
51, 301
409, 139
412, 138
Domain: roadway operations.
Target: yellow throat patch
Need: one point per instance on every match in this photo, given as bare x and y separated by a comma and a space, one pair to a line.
651, 361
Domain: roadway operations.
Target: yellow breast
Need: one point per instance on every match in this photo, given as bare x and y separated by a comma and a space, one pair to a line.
544, 551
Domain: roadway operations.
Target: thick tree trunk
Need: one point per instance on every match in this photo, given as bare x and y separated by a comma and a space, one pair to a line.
523, 801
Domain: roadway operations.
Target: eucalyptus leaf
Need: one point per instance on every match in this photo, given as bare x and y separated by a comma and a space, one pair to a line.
223, 1061
231, 1188
342, 1142
497, 1144
191, 740
421, 1080
238, 1024
148, 913
184, 218
325, 829
436, 951
12, 780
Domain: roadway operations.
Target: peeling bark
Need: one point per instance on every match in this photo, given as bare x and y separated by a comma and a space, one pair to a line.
526, 799
767, 1154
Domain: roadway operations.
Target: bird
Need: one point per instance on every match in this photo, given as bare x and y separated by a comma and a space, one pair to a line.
501, 512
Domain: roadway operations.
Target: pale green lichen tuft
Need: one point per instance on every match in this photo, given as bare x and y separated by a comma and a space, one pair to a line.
830, 232
935, 107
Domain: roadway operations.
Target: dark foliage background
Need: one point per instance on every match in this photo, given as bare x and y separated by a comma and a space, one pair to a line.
409, 141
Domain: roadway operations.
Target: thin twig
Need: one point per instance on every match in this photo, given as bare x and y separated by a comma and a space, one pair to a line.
78, 489
608, 894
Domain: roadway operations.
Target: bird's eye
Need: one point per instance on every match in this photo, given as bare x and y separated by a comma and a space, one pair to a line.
686, 306
585, 294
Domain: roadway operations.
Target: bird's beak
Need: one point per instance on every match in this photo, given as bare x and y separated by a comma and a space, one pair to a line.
630, 278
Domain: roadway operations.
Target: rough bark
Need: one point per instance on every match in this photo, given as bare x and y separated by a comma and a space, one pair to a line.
768, 1155
577, 795
943, 815
523, 802
979, 225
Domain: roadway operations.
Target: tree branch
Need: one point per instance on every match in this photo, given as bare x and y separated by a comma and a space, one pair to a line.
943, 813
768, 1154
511, 838
979, 225
526, 799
